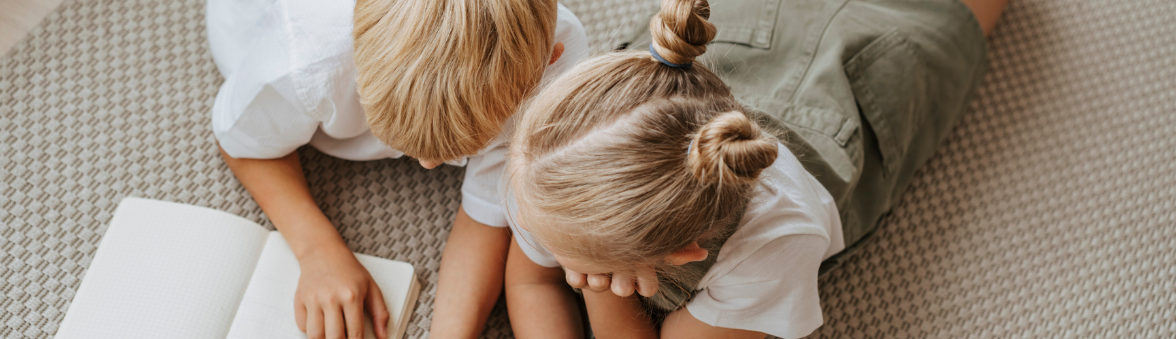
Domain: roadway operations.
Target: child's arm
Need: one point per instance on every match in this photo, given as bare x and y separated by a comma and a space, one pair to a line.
680, 324
333, 288
470, 278
612, 316
540, 304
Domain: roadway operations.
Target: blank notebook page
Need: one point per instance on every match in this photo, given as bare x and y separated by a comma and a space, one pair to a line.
267, 309
165, 270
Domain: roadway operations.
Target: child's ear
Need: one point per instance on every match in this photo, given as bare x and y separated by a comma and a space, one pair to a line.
556, 52
690, 253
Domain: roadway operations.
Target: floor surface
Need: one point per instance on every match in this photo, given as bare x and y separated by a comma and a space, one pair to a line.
1050, 212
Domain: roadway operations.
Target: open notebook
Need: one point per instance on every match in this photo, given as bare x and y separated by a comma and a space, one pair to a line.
168, 270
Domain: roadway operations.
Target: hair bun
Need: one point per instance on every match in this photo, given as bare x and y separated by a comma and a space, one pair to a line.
731, 149
681, 31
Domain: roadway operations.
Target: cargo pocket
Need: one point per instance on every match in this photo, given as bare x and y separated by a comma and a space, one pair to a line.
889, 81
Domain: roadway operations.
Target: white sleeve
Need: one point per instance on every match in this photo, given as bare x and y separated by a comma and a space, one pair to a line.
774, 291
256, 112
480, 195
534, 251
258, 123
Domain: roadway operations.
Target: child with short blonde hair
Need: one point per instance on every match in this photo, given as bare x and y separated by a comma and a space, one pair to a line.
717, 196
437, 80
468, 83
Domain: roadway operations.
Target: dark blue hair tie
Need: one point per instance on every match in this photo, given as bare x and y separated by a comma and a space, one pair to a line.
653, 52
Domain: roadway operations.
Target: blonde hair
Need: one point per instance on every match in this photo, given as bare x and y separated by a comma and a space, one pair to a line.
626, 160
438, 78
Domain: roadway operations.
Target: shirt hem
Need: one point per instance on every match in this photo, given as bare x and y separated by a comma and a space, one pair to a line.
483, 212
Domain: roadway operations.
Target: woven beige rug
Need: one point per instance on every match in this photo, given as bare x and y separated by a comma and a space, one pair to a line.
1048, 213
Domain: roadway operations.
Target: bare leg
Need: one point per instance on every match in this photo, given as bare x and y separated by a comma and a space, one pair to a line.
987, 12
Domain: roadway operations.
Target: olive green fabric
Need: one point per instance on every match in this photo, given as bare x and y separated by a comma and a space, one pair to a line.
863, 92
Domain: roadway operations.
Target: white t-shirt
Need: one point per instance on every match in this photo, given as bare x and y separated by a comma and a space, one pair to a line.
765, 278
290, 81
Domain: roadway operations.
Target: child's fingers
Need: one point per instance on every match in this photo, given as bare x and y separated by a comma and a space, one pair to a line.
314, 322
598, 282
646, 282
333, 322
622, 284
353, 317
378, 311
300, 313
575, 279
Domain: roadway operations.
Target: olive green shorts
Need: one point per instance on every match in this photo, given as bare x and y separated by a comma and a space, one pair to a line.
862, 91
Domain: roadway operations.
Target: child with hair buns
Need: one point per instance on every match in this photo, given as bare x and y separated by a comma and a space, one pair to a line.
688, 203
436, 80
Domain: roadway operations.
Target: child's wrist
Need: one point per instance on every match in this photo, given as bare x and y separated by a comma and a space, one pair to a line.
322, 248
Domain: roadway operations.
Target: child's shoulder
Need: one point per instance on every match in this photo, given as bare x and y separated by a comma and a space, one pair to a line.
566, 13
299, 31
789, 211
281, 14
567, 24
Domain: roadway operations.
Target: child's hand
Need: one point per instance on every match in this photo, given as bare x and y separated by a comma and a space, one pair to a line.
333, 291
643, 281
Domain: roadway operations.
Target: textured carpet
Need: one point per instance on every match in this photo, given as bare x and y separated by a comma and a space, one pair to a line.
1048, 212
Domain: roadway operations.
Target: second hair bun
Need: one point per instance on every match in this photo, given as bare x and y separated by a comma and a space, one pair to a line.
731, 149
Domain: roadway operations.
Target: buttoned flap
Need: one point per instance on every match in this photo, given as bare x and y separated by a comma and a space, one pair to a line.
750, 23
839, 127
889, 81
